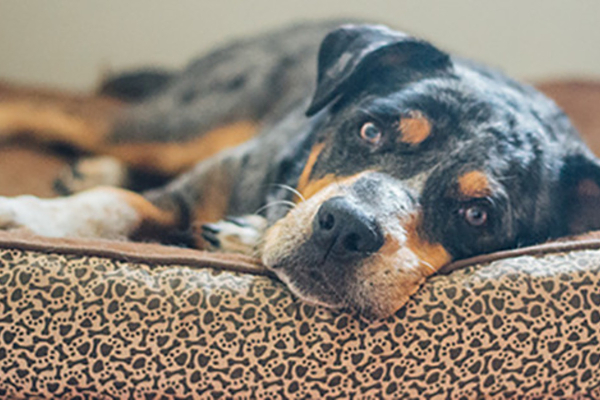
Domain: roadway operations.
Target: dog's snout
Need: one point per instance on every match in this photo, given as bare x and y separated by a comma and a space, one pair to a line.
342, 229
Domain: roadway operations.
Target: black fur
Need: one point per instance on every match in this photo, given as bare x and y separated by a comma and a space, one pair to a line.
135, 86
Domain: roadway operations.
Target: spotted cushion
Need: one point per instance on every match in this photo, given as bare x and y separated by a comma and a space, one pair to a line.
143, 321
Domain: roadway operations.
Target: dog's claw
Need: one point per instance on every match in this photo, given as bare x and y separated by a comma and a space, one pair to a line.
211, 239
237, 221
212, 228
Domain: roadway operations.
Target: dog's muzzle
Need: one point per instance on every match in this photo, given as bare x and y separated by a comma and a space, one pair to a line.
354, 243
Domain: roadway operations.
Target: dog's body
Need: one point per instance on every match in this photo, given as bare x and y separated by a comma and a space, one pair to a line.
410, 159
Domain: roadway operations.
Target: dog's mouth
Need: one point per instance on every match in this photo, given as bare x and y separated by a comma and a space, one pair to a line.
339, 249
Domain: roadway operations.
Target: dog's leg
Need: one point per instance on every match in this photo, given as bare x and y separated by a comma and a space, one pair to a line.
83, 122
98, 213
199, 196
78, 121
101, 125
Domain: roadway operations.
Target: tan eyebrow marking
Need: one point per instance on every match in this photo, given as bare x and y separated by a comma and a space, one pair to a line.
414, 128
474, 184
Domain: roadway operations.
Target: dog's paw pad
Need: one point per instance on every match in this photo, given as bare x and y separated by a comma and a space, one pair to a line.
91, 172
235, 234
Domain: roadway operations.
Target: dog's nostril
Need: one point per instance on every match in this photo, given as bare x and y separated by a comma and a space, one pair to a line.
352, 242
326, 221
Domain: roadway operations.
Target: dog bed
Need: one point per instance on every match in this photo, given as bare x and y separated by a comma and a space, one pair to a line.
82, 319
99, 319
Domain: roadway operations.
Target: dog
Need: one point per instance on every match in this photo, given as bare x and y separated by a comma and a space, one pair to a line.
401, 159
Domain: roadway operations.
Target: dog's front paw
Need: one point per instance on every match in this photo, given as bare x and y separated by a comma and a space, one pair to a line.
91, 214
26, 212
235, 234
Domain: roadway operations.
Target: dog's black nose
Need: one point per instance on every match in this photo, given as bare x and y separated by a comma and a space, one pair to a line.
342, 229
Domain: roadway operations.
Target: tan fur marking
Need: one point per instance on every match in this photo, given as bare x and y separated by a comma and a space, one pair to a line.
386, 282
390, 276
304, 180
309, 188
390, 246
432, 256
314, 187
415, 128
149, 214
474, 184
340, 182
214, 203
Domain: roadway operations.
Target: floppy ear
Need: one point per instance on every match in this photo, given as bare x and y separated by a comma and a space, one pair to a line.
352, 53
580, 183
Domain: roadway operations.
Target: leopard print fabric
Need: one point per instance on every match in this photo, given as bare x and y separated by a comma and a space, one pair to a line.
83, 327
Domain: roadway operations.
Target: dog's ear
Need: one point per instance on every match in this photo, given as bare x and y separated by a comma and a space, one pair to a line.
351, 54
580, 187
135, 86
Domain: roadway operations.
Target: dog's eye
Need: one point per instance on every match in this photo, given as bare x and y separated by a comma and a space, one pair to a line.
475, 215
370, 133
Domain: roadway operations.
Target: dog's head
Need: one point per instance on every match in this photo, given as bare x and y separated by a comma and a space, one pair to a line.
418, 159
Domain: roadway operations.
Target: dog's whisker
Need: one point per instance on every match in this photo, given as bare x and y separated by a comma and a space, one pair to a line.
274, 203
291, 189
428, 265
506, 178
337, 183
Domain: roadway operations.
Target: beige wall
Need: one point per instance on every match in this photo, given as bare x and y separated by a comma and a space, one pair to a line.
68, 42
